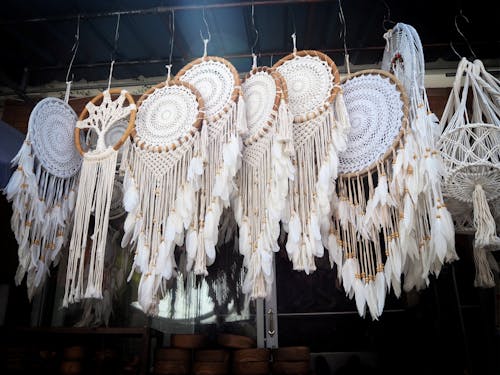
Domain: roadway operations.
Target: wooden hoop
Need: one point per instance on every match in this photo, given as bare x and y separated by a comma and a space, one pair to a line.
127, 132
237, 82
281, 93
336, 79
404, 120
197, 124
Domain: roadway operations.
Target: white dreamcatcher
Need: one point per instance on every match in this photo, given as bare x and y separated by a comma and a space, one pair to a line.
320, 130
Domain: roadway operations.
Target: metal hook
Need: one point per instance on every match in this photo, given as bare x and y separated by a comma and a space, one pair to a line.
205, 40
387, 16
343, 33
254, 28
74, 49
462, 34
172, 35
115, 47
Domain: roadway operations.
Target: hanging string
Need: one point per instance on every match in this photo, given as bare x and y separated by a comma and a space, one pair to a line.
74, 49
172, 33
209, 36
113, 53
343, 33
387, 16
254, 28
461, 14
271, 58
294, 41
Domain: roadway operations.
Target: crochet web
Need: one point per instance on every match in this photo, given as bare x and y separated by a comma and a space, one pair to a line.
112, 136
259, 92
167, 115
215, 82
51, 127
375, 111
404, 57
310, 81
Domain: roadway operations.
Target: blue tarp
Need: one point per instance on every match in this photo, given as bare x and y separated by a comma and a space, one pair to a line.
10, 142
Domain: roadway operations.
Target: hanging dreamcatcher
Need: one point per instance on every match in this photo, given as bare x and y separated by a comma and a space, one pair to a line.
367, 213
470, 145
320, 128
403, 57
163, 172
219, 85
95, 189
42, 189
263, 179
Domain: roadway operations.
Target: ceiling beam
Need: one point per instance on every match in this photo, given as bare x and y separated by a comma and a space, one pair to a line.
159, 9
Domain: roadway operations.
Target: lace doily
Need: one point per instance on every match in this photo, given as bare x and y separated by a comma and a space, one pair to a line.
51, 128
376, 113
311, 78
167, 114
262, 94
216, 80
404, 57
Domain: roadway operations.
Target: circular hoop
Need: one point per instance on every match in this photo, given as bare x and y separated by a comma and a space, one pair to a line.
349, 165
198, 72
98, 98
50, 128
260, 85
148, 109
313, 82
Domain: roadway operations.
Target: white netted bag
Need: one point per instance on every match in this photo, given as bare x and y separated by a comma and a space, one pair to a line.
320, 130
42, 190
95, 191
163, 172
263, 179
470, 145
219, 85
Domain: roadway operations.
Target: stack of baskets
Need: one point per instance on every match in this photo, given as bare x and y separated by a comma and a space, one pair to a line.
293, 360
176, 360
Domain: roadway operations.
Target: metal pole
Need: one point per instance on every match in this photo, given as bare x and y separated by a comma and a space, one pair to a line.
160, 9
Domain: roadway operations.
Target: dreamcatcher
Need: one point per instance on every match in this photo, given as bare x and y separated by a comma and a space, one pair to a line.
95, 191
42, 189
319, 132
264, 176
219, 85
470, 145
423, 202
163, 172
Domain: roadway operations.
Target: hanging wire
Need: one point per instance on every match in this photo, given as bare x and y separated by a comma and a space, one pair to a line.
115, 47
74, 49
209, 37
254, 29
461, 14
387, 16
343, 32
172, 34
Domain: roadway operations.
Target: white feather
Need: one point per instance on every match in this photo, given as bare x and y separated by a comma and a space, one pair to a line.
380, 288
131, 197
195, 171
371, 299
359, 295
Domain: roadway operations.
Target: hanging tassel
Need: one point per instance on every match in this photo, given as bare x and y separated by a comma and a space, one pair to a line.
484, 276
484, 222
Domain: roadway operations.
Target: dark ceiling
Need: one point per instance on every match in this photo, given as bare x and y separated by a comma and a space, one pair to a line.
37, 35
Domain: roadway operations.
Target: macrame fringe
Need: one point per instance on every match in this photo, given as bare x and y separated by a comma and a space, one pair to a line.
94, 197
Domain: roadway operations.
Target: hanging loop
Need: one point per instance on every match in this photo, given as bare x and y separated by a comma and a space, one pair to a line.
294, 41
115, 48
172, 35
110, 74
74, 49
169, 70
343, 33
461, 14
254, 60
209, 36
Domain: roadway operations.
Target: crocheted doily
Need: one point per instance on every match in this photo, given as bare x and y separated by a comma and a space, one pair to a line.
214, 78
404, 56
166, 115
310, 81
262, 94
51, 128
376, 114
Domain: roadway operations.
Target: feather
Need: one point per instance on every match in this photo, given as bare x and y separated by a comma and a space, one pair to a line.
23, 152
41, 272
146, 292
380, 289
348, 273
243, 240
395, 258
294, 228
191, 245
142, 260
360, 297
388, 273
371, 299
195, 171
14, 185
131, 197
